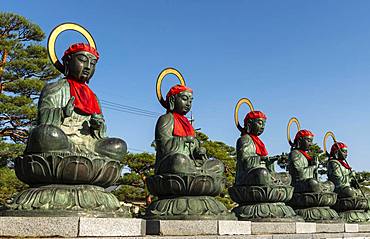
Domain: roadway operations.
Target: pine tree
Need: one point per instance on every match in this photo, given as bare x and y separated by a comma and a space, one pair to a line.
226, 154
133, 183
24, 69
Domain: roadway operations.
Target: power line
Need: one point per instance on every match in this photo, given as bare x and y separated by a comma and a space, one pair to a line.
131, 108
128, 111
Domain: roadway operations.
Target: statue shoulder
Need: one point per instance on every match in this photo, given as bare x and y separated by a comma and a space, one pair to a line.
244, 141
295, 154
53, 87
333, 164
165, 118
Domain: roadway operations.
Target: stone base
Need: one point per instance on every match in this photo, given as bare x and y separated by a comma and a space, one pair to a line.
188, 208
355, 216
70, 227
268, 212
65, 200
318, 214
195, 227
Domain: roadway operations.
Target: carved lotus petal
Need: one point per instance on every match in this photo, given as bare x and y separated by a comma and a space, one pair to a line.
57, 168
259, 194
182, 185
320, 199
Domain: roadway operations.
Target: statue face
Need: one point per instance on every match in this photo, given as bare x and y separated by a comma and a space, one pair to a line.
342, 154
256, 126
183, 101
305, 143
81, 66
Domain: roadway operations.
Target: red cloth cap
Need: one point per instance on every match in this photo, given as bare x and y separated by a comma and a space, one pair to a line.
336, 147
254, 115
81, 47
303, 133
177, 89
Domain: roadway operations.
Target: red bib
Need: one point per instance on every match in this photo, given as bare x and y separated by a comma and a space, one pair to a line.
308, 157
182, 126
260, 146
345, 164
85, 99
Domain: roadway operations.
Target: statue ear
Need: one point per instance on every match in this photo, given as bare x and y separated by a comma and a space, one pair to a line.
336, 155
66, 61
298, 143
248, 127
171, 103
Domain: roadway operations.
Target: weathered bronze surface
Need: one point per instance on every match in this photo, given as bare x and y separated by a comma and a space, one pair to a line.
352, 205
68, 157
312, 198
185, 180
260, 192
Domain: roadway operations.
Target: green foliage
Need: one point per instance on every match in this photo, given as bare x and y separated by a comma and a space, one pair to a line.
9, 184
226, 154
9, 151
134, 182
24, 69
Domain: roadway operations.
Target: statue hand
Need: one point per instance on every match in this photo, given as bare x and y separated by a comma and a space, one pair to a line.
264, 158
96, 121
201, 151
68, 109
314, 161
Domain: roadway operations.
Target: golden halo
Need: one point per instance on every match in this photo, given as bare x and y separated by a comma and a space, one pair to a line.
53, 37
295, 120
329, 133
236, 111
160, 78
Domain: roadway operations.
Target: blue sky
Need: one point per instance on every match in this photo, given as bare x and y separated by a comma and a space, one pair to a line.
309, 59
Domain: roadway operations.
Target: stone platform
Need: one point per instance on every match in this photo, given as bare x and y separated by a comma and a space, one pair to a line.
85, 227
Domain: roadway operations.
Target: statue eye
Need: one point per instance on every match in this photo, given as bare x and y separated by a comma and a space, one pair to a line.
93, 62
184, 97
82, 58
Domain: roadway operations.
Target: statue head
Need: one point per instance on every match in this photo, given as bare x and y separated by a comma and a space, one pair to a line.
303, 140
339, 151
179, 99
79, 62
254, 123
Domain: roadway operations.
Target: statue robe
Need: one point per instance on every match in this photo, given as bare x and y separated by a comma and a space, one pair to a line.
54, 97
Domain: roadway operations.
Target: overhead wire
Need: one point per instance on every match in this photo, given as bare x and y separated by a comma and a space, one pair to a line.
129, 109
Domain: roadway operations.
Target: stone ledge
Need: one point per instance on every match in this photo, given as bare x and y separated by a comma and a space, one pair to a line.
329, 227
181, 227
350, 227
108, 227
260, 228
273, 227
234, 227
197, 228
364, 227
305, 227
39, 226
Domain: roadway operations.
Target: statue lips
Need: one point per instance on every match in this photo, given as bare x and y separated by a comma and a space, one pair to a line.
86, 72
